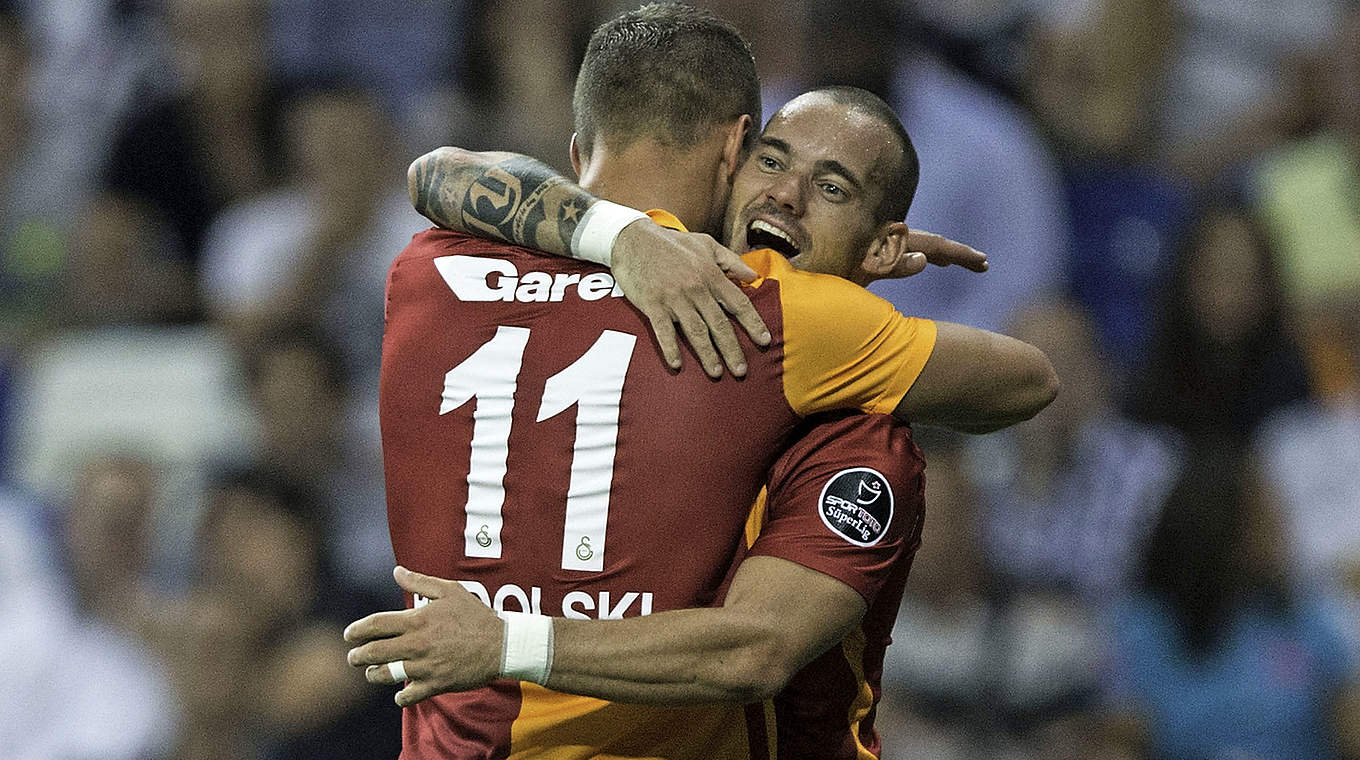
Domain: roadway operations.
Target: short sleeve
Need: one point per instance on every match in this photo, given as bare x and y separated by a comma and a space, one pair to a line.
846, 348
846, 500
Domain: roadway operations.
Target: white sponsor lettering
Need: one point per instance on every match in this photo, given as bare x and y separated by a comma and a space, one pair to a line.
474, 278
577, 605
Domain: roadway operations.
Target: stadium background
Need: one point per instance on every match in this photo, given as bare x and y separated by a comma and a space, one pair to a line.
198, 199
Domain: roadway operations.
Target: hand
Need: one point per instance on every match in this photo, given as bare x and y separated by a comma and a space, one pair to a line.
453, 643
942, 252
678, 277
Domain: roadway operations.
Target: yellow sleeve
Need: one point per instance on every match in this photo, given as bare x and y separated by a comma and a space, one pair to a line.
846, 348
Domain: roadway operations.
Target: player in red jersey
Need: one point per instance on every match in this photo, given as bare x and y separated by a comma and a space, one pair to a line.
518, 383
826, 709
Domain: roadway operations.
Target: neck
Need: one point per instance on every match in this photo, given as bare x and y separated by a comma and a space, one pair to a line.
648, 175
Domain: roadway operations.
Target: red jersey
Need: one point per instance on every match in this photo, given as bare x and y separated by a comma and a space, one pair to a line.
847, 499
538, 454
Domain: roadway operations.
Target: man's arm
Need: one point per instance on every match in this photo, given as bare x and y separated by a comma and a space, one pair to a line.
978, 381
501, 196
671, 277
739, 653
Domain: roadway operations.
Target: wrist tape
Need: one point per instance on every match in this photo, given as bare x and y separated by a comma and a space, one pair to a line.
527, 651
601, 225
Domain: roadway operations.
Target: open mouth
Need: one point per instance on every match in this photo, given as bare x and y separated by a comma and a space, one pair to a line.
762, 234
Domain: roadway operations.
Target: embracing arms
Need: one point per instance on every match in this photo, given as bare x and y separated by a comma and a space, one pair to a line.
671, 277
975, 381
739, 653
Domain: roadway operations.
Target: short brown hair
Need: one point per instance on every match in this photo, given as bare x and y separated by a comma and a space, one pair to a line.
667, 71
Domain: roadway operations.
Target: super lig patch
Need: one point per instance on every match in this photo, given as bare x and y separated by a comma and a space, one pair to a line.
857, 504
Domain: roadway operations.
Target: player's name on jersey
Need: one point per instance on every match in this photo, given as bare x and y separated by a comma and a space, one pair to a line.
577, 605
477, 278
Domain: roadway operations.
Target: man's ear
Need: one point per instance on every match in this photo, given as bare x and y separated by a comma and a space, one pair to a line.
575, 152
886, 252
732, 151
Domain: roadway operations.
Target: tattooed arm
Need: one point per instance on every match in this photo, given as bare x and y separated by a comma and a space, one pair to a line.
502, 196
671, 277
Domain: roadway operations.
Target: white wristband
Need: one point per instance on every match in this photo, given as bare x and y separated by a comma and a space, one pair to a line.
527, 651
602, 223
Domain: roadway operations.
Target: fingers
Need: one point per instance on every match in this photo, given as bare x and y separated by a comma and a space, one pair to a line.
941, 251
379, 625
427, 586
380, 652
724, 337
415, 692
697, 334
736, 303
382, 675
910, 264
733, 266
664, 330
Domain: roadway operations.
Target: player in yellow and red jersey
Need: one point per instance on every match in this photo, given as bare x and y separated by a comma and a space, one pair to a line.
638, 501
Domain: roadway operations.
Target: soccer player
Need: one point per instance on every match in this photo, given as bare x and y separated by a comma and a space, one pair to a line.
653, 513
809, 562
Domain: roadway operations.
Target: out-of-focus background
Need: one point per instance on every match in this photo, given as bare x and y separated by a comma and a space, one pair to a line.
198, 200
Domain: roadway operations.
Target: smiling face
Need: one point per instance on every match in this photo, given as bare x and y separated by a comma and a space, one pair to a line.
812, 187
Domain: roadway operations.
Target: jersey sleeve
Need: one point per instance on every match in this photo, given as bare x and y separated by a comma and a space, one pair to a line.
846, 348
846, 499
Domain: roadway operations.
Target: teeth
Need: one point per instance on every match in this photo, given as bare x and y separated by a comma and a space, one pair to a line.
765, 226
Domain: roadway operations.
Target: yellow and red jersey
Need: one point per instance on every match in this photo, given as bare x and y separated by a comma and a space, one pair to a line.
538, 451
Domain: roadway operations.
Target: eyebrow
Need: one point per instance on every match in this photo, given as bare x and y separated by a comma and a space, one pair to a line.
823, 165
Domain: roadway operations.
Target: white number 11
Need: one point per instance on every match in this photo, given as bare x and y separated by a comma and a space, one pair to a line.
594, 384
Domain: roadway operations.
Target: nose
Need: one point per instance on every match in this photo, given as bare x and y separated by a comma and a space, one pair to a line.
787, 192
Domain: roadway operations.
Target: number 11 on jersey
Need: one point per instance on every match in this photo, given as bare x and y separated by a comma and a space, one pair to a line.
594, 384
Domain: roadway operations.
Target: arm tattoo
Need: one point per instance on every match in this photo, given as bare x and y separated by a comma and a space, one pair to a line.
428, 198
517, 200
523, 201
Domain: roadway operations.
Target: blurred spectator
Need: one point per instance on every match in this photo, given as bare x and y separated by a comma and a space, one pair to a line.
1239, 78
207, 140
1068, 497
1312, 452
1307, 195
528, 73
1223, 357
986, 176
969, 673
79, 685
304, 418
109, 530
1094, 76
69, 68
410, 53
261, 556
1216, 651
124, 268
210, 643
316, 250
985, 38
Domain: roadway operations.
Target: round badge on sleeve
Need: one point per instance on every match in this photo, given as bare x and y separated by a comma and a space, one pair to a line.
857, 504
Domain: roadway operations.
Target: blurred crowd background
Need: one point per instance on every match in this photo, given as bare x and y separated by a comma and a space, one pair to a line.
198, 200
